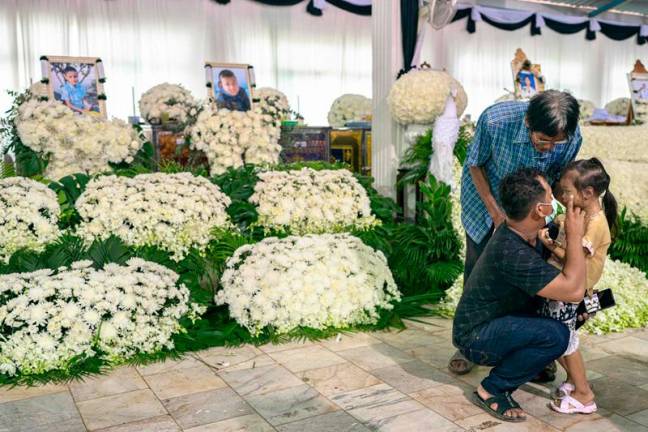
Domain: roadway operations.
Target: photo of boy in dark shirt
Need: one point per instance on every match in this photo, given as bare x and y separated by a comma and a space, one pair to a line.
230, 94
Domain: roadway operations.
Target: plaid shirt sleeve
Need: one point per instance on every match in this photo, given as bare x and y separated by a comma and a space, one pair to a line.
479, 150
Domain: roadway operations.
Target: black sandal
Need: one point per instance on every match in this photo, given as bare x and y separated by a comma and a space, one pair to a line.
504, 403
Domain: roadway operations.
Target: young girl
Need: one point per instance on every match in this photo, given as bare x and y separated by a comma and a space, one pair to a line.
588, 182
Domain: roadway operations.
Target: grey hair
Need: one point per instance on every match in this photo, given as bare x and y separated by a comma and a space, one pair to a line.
553, 112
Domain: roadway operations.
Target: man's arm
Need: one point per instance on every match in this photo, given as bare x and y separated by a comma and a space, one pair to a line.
483, 189
569, 285
479, 153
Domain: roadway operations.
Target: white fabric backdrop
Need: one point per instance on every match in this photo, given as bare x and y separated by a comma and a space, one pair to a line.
147, 42
593, 70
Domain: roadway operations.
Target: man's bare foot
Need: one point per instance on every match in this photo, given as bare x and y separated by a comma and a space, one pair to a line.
512, 413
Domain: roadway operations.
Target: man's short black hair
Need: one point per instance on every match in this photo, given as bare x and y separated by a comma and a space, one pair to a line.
552, 112
226, 73
69, 69
520, 191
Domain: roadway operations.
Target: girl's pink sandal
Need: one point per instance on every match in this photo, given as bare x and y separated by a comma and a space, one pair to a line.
569, 405
565, 389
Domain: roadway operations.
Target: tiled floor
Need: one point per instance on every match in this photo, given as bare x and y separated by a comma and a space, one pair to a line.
361, 382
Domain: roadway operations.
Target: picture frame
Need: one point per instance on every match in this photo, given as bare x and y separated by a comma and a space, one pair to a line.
76, 82
230, 85
527, 76
638, 86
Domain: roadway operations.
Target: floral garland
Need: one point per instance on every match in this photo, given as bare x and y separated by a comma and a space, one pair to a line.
74, 143
309, 201
172, 211
272, 102
51, 317
29, 213
419, 96
170, 102
318, 281
348, 108
231, 139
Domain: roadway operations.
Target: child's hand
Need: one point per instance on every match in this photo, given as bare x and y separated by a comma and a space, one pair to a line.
543, 235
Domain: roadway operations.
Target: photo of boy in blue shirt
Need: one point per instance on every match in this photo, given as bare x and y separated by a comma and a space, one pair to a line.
73, 93
230, 95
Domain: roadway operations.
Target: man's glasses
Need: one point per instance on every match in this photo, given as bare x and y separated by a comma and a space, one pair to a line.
541, 142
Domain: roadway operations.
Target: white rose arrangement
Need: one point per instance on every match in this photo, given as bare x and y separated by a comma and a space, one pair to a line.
29, 213
419, 96
174, 212
348, 108
308, 201
74, 143
170, 101
272, 102
50, 317
618, 106
318, 281
231, 139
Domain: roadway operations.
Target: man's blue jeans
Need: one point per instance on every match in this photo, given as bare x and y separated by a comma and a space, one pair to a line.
519, 347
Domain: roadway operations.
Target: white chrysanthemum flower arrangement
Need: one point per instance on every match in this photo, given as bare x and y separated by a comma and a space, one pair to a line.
29, 213
272, 102
618, 106
419, 96
174, 212
307, 201
586, 109
231, 139
49, 317
317, 281
170, 102
349, 108
74, 143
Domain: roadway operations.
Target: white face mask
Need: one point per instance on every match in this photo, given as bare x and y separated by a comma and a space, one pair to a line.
555, 205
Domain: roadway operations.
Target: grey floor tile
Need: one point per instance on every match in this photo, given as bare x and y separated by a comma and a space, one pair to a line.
338, 421
48, 413
207, 407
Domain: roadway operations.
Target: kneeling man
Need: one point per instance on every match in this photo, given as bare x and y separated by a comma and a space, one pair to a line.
495, 323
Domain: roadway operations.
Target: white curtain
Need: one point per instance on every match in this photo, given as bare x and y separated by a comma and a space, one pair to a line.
146, 42
592, 70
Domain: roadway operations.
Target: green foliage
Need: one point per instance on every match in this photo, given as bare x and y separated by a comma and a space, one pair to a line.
68, 189
239, 184
425, 256
466, 132
8, 170
417, 159
630, 243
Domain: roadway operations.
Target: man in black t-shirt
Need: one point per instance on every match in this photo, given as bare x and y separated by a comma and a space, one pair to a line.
495, 324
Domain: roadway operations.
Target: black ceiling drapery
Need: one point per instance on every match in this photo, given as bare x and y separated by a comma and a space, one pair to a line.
614, 31
310, 7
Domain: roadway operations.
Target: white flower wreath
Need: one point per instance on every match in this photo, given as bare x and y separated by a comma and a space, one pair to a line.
348, 108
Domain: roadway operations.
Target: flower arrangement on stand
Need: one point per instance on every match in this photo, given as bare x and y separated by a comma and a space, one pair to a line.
309, 201
174, 212
71, 143
419, 96
52, 318
29, 213
231, 139
348, 108
586, 109
272, 102
168, 103
618, 106
316, 281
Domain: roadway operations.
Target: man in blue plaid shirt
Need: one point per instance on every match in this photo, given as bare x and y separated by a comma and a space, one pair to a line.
542, 133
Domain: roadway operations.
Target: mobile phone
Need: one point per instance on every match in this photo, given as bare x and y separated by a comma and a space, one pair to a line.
600, 300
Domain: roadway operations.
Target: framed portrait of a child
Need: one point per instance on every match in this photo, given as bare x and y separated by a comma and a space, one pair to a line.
230, 85
527, 77
76, 82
